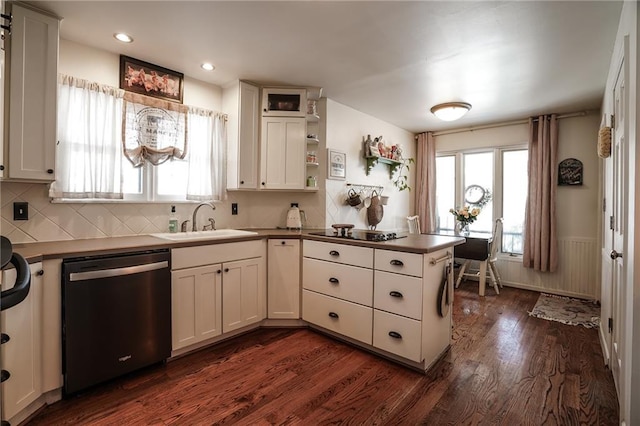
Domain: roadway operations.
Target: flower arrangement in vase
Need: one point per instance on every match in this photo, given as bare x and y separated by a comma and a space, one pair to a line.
464, 217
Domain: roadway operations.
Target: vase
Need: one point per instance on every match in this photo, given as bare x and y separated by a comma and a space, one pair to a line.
462, 228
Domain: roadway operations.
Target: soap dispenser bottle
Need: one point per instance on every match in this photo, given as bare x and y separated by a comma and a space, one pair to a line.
173, 220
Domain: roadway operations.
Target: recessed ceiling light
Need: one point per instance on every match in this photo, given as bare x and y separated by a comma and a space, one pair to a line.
125, 38
207, 66
450, 111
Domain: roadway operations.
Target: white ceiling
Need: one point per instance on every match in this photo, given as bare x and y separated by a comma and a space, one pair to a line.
390, 59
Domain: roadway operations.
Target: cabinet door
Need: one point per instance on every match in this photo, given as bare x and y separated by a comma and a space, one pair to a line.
282, 153
32, 94
21, 355
283, 279
243, 293
241, 102
196, 304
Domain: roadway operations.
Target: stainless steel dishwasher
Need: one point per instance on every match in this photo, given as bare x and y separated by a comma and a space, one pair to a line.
116, 316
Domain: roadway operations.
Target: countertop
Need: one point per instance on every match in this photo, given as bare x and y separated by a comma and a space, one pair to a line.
37, 251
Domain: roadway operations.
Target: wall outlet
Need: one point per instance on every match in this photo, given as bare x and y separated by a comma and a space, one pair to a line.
21, 211
294, 204
234, 208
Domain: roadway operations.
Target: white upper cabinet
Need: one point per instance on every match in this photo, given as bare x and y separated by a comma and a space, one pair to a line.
241, 101
32, 63
282, 153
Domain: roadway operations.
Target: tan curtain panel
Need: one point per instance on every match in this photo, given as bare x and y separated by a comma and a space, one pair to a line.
540, 241
426, 182
153, 130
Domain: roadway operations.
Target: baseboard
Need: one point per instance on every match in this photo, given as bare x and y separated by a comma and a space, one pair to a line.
547, 290
603, 345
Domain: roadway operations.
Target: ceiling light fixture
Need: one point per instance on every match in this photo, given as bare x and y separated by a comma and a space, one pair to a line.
125, 38
450, 111
207, 66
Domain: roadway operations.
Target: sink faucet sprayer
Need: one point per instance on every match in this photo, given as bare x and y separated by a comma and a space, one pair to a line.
213, 222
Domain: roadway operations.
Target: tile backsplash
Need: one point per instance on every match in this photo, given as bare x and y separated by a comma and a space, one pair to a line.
66, 221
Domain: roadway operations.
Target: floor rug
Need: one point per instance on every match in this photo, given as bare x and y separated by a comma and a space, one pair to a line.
567, 310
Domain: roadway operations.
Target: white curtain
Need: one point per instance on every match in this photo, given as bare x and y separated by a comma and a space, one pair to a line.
207, 135
89, 150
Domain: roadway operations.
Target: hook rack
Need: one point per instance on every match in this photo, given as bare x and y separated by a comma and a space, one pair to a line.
362, 187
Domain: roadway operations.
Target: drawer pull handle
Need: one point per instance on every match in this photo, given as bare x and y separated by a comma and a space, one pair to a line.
4, 375
395, 294
333, 315
395, 335
334, 253
395, 262
334, 280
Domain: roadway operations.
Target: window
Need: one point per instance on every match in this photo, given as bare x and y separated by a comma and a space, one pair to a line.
503, 173
93, 166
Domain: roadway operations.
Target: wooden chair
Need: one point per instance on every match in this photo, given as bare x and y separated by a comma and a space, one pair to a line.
414, 224
491, 268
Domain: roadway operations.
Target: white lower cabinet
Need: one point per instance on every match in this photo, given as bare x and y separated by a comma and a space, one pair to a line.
243, 293
216, 289
346, 318
22, 354
283, 278
196, 305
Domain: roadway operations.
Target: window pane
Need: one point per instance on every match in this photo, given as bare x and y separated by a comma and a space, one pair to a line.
172, 179
478, 170
131, 178
514, 199
445, 191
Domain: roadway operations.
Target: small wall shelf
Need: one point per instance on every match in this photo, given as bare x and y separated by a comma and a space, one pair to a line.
393, 164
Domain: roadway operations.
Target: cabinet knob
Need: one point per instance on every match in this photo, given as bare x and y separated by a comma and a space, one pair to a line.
395, 294
334, 253
1, 167
241, 182
219, 271
395, 262
283, 242
395, 335
50, 171
226, 269
40, 272
4, 338
334, 280
333, 315
4, 375
262, 183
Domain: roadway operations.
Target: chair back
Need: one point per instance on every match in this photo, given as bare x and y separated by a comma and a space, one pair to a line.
414, 224
497, 238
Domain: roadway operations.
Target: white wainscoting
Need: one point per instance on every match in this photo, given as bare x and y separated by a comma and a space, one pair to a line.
577, 275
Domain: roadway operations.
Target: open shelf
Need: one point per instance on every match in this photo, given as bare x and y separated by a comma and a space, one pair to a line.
392, 164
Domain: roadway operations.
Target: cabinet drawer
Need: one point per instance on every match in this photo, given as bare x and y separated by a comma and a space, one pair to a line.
346, 318
342, 281
398, 294
340, 253
399, 262
398, 335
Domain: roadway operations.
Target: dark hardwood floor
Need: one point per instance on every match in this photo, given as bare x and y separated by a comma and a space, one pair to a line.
504, 368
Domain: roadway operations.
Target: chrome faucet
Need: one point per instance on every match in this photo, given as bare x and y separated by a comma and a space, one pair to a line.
194, 227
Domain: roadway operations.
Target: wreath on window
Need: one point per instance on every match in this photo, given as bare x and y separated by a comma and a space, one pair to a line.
477, 196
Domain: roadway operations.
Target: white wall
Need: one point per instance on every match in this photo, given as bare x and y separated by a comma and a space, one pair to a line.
346, 131
577, 206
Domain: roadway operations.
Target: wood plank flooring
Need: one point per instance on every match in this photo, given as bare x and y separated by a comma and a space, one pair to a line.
504, 368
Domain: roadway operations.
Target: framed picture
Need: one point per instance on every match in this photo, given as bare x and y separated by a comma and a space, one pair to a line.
337, 164
151, 80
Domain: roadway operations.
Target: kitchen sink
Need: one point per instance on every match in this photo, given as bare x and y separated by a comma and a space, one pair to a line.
204, 235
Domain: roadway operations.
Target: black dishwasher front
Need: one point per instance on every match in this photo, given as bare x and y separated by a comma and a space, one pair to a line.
116, 316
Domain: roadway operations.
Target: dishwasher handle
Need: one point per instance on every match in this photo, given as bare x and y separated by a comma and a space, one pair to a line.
117, 272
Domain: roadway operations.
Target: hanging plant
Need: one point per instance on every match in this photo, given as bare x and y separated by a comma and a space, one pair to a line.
402, 175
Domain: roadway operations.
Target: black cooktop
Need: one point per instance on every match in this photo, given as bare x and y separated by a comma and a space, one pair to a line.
359, 234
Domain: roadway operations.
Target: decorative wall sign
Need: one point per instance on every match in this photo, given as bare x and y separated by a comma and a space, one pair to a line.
570, 172
337, 164
151, 80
